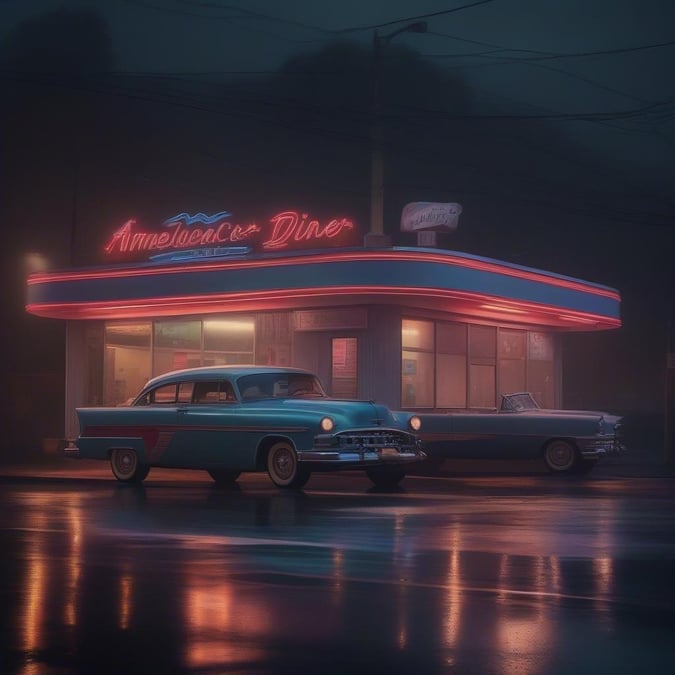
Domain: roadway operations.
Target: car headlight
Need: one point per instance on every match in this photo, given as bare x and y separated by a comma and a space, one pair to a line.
415, 423
326, 424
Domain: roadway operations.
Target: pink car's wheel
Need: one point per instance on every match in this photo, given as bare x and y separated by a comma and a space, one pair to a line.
560, 456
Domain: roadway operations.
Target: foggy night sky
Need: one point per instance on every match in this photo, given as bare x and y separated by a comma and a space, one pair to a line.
555, 123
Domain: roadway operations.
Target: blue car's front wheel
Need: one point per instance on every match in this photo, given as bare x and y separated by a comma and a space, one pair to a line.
283, 468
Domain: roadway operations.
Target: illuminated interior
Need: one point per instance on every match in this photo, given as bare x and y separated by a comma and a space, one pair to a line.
414, 328
137, 351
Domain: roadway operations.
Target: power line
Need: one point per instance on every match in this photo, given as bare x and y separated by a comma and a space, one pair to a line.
244, 12
302, 127
234, 20
267, 17
417, 17
654, 108
537, 55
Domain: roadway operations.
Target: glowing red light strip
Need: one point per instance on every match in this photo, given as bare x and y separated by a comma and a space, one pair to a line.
287, 227
224, 302
337, 257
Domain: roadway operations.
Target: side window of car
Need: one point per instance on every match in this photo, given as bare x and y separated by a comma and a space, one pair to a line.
146, 399
185, 390
226, 393
213, 392
165, 394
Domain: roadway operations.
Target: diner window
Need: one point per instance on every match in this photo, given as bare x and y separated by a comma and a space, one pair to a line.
417, 364
456, 365
511, 361
229, 341
127, 362
482, 366
451, 348
177, 346
134, 352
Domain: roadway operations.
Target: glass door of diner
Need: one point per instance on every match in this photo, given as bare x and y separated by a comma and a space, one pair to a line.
344, 368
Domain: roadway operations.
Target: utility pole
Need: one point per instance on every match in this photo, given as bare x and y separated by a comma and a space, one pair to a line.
74, 207
669, 396
376, 238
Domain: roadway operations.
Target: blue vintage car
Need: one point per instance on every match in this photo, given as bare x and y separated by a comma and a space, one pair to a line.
568, 441
232, 419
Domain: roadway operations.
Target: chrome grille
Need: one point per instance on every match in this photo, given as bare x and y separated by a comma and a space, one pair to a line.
377, 438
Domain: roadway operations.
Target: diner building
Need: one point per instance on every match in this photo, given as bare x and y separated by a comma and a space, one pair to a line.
416, 327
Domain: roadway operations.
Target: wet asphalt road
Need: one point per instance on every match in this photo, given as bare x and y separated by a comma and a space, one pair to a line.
505, 574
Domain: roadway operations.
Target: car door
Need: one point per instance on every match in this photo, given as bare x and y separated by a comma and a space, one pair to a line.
209, 433
154, 418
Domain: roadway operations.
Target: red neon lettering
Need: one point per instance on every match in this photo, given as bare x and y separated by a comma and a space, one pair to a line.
220, 237
239, 232
209, 236
120, 238
289, 226
125, 240
138, 241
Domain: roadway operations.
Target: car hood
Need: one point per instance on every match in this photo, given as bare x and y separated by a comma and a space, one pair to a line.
349, 412
574, 413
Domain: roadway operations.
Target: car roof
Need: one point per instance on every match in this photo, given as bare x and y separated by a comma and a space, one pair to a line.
210, 372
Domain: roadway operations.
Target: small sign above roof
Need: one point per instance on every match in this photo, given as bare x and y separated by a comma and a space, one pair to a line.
421, 216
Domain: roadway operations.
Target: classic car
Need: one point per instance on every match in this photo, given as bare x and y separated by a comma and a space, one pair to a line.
568, 441
233, 419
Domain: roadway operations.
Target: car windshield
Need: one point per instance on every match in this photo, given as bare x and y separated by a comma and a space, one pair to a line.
519, 402
279, 385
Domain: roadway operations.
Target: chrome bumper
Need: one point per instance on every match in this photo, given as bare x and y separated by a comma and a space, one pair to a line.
365, 457
362, 448
595, 448
69, 449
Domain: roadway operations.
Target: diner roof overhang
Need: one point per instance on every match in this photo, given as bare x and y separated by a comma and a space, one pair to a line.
446, 281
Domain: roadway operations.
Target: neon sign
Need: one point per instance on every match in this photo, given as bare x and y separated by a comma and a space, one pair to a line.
200, 235
290, 226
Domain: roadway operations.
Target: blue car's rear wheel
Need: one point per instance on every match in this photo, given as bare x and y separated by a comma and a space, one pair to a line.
283, 468
561, 456
126, 467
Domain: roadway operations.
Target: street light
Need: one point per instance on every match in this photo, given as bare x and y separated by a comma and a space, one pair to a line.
376, 236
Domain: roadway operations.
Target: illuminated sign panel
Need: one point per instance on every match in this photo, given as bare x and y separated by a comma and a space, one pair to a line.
200, 235
421, 216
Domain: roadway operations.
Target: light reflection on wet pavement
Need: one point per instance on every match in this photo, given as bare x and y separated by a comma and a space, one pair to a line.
475, 576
